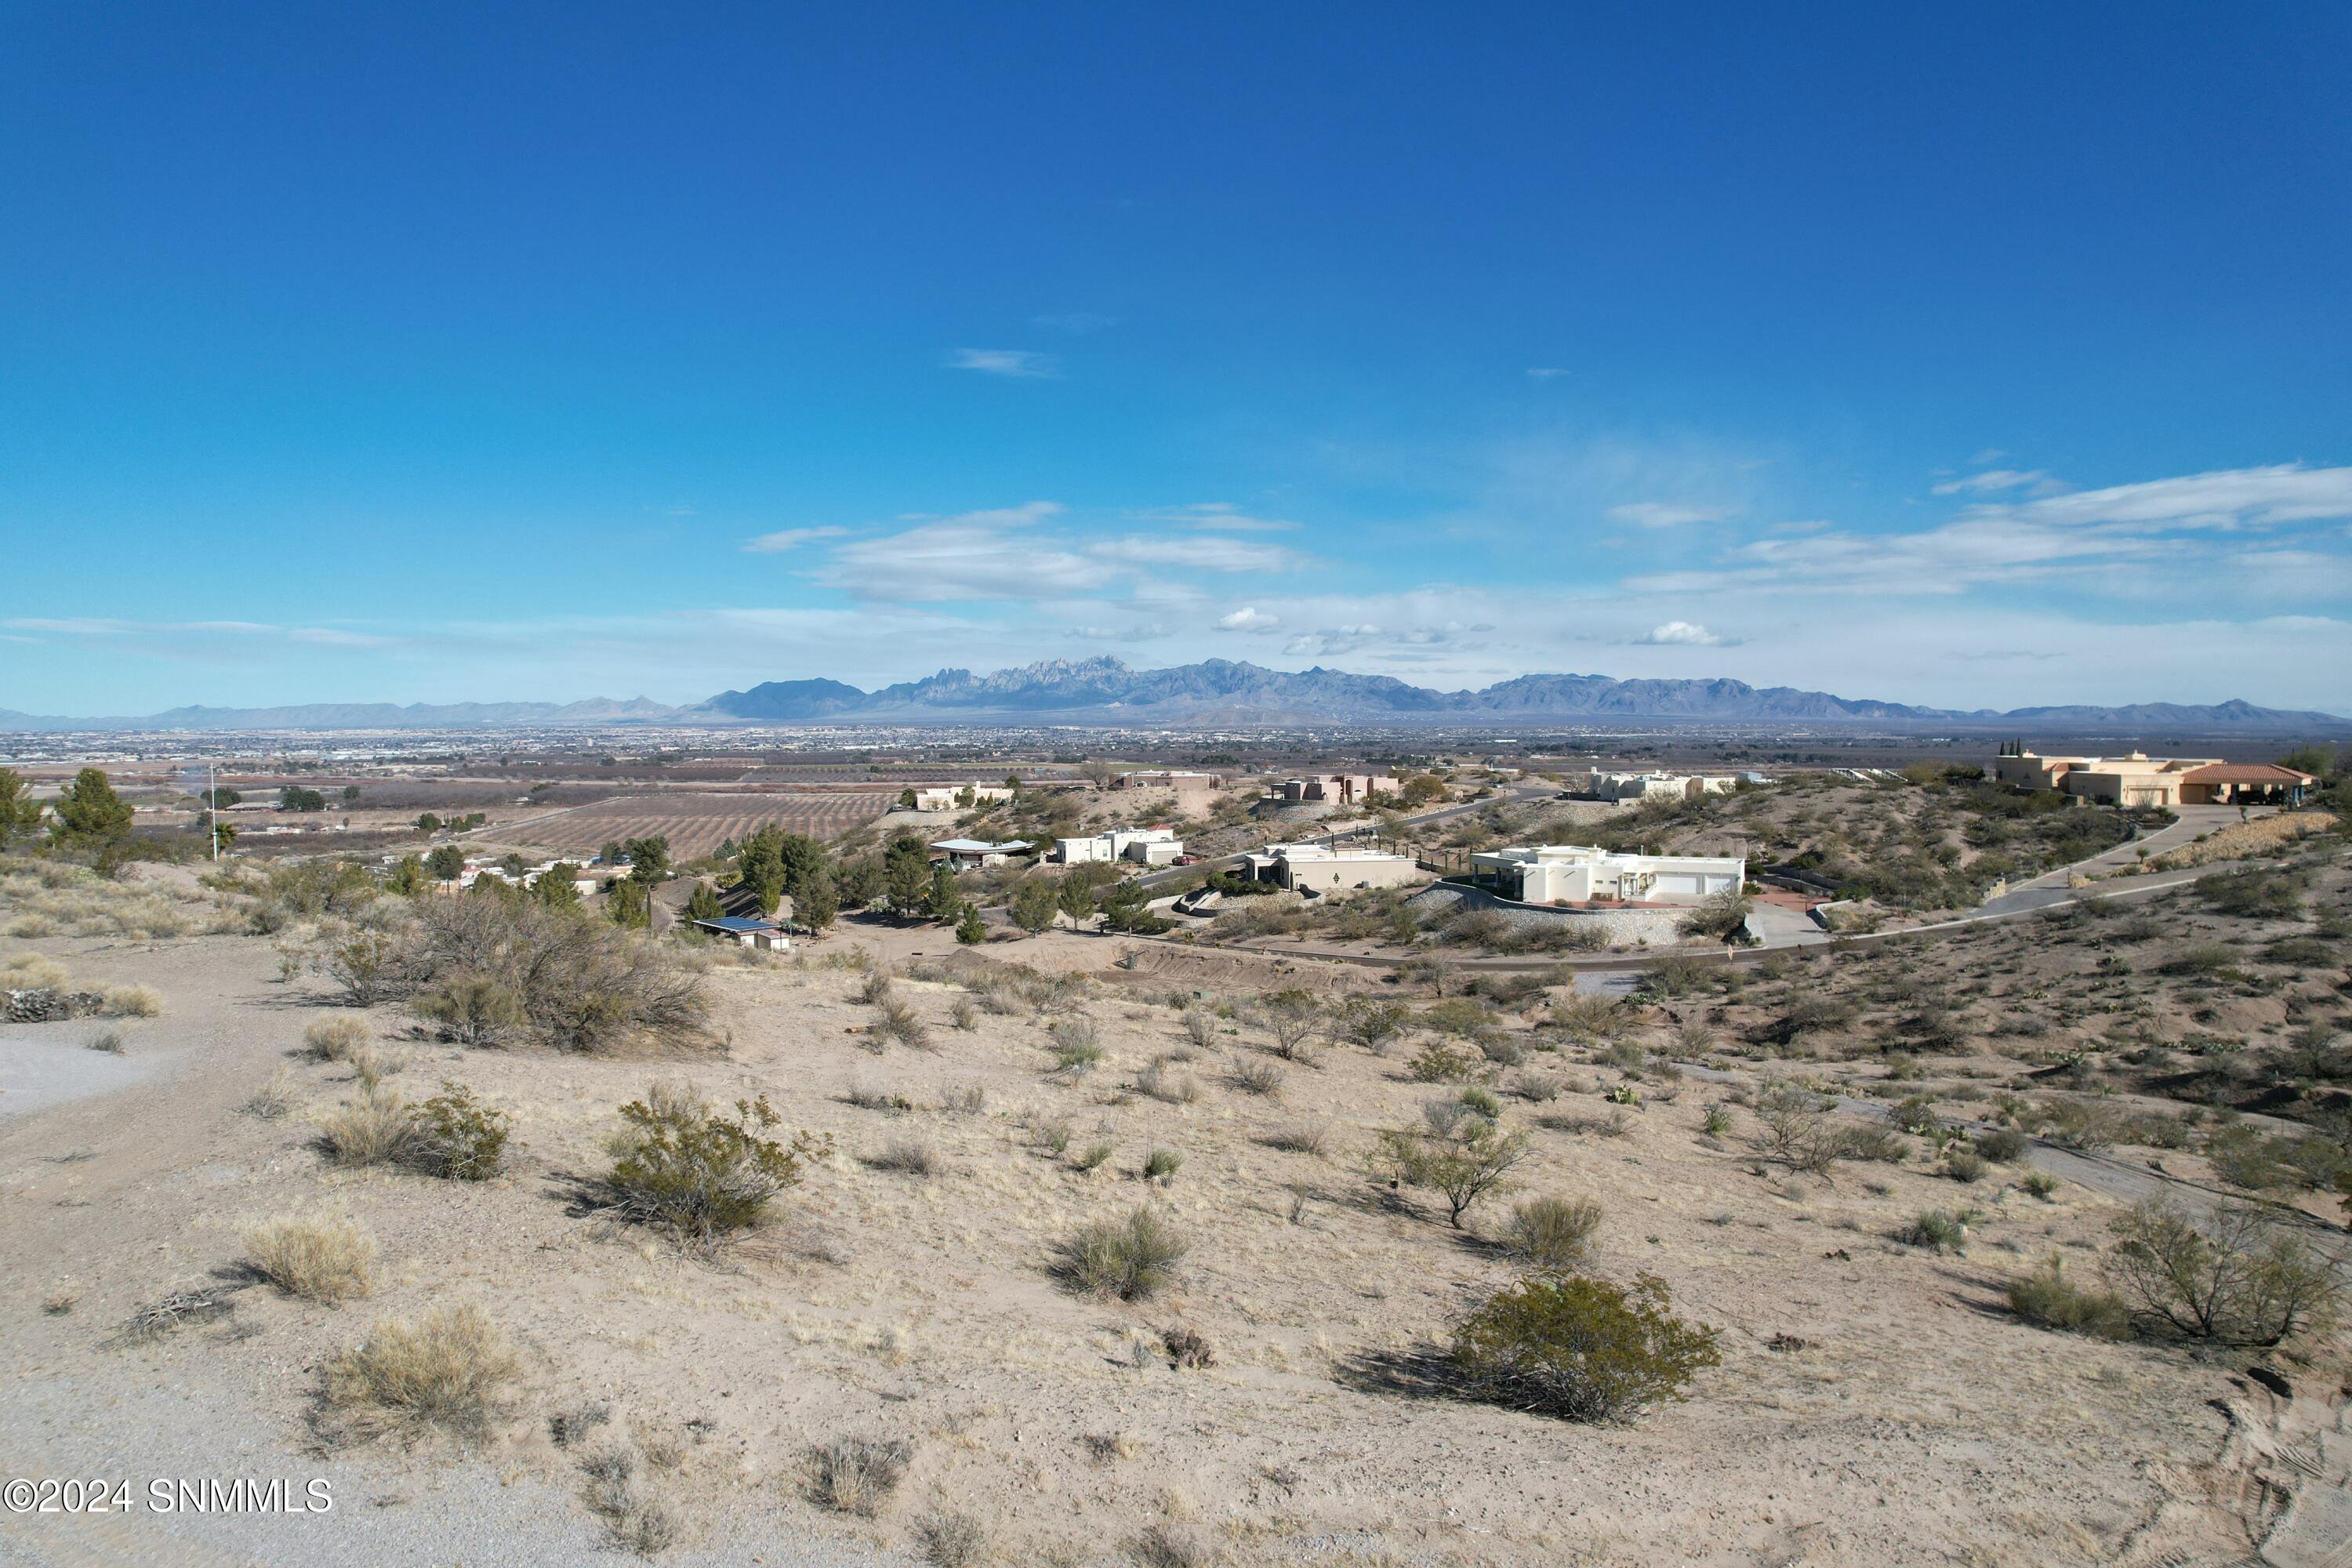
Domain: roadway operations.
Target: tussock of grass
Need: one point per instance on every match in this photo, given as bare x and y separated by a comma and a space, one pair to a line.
324, 1259
1130, 1257
372, 1129
333, 1039
446, 1372
858, 1475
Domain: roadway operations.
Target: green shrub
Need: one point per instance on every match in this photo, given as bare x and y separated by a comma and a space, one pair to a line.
1581, 1349
683, 1165
1551, 1234
2001, 1146
1964, 1166
1438, 1062
458, 1137
1092, 1157
2048, 1299
1162, 1164
1130, 1258
1463, 1161
1938, 1230
2039, 1184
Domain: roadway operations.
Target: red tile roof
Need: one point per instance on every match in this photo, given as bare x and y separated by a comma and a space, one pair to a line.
2244, 773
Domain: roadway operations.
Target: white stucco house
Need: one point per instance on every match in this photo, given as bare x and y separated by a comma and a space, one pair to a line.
1576, 874
1145, 846
1320, 868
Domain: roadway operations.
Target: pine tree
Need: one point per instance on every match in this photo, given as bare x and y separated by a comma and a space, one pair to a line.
91, 814
971, 930
703, 904
816, 905
630, 905
945, 901
20, 814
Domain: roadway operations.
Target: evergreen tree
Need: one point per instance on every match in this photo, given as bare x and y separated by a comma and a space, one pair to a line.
703, 904
971, 930
20, 814
91, 815
558, 886
906, 876
407, 879
648, 860
428, 823
630, 905
1035, 905
447, 862
859, 884
945, 902
817, 904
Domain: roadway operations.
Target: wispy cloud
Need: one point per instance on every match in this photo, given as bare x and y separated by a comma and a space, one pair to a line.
1996, 480
789, 539
1219, 515
1248, 618
1024, 364
998, 554
1666, 515
1207, 554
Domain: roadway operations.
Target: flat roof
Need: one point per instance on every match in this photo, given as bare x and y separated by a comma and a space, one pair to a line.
737, 923
975, 846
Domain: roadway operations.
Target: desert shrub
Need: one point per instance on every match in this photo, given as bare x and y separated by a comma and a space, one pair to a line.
1200, 1027
584, 984
1963, 1164
2236, 1277
133, 1002
1503, 1050
1187, 1348
1257, 1077
1541, 1086
1076, 1047
872, 1097
106, 1040
2077, 1123
2200, 958
372, 1130
2048, 1299
858, 1475
1581, 1349
2039, 1184
1551, 1234
1167, 1544
1438, 1062
445, 1371
333, 1039
366, 963
323, 1258
457, 1137
1169, 1088
1371, 1023
877, 988
683, 1165
910, 1156
1162, 1164
371, 1066
1300, 1138
1938, 1230
1670, 977
274, 1099
952, 1540
1130, 1257
895, 1020
472, 1010
2254, 893
1092, 1157
1716, 1122
2002, 1146
1483, 1100
2244, 1158
1463, 1161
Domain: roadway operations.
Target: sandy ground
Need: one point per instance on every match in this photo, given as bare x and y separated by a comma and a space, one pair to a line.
1916, 1422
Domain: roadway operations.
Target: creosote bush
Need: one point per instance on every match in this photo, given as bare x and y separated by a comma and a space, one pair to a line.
1551, 1234
703, 1174
457, 1137
1581, 1349
323, 1258
443, 1372
1130, 1257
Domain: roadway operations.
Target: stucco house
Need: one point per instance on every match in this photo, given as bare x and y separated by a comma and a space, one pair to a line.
1577, 874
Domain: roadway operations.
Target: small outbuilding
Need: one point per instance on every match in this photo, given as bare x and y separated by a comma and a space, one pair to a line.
745, 932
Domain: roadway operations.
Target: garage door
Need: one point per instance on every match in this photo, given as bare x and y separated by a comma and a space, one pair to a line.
1677, 885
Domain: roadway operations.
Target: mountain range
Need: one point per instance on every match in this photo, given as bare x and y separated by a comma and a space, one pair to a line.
1104, 690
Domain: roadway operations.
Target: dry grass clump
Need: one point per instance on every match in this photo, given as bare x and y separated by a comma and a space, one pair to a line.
951, 1539
897, 1021
133, 1002
35, 972
1076, 1046
908, 1156
1300, 1138
323, 1258
1162, 1164
1200, 1028
1130, 1257
274, 1099
858, 1475
1092, 1157
106, 1040
333, 1039
1168, 1088
640, 1521
1551, 1234
371, 1066
2049, 1300
1171, 1545
446, 1372
372, 1129
1256, 1077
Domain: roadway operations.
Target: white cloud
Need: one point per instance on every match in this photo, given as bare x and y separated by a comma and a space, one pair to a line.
1210, 554
1248, 618
1995, 480
1679, 634
1020, 363
329, 637
1663, 514
990, 554
1149, 631
788, 539
1218, 515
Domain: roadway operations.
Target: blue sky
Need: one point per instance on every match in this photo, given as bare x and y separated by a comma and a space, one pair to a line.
1990, 357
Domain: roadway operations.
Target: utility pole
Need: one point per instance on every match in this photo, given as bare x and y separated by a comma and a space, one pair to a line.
212, 803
